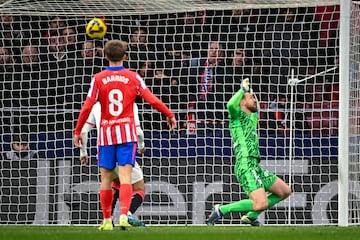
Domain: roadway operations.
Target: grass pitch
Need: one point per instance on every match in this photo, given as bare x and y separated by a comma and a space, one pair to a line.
8, 232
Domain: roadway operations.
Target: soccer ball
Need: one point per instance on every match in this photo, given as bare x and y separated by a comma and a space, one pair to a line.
96, 28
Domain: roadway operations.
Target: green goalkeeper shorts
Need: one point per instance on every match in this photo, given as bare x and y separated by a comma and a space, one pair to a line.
251, 176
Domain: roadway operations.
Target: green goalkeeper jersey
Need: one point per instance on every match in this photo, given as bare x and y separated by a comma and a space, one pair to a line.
243, 129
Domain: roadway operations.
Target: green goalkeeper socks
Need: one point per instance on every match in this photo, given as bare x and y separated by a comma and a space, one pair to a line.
246, 206
272, 199
241, 206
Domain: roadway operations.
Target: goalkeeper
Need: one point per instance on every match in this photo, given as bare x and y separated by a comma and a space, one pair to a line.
137, 178
254, 180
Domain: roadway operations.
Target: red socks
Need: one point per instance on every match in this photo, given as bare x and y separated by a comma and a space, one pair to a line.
125, 198
106, 198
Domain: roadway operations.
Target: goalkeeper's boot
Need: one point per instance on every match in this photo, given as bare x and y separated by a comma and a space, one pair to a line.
253, 222
107, 225
215, 215
123, 222
135, 222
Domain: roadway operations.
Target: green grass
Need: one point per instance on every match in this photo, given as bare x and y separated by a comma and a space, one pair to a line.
180, 233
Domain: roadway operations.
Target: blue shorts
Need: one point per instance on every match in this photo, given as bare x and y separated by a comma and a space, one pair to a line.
121, 154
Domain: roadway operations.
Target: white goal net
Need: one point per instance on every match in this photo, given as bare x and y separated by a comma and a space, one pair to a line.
46, 63
354, 75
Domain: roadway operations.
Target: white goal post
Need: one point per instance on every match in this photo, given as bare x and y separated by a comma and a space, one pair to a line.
309, 133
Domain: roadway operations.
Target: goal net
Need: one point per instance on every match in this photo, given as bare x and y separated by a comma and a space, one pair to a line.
193, 55
353, 148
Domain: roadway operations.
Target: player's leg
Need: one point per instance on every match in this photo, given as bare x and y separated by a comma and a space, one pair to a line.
257, 202
279, 191
106, 193
138, 186
138, 195
136, 201
125, 194
137, 180
125, 154
249, 178
107, 164
115, 185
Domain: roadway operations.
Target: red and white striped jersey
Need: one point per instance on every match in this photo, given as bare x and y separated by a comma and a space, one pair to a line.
95, 117
116, 88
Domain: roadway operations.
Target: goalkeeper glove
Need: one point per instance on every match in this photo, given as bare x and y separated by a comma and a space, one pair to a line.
245, 84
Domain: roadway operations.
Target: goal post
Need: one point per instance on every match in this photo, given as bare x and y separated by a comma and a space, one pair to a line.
349, 188
344, 167
46, 64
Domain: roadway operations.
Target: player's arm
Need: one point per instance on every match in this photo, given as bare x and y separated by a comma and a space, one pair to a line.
141, 143
255, 116
85, 112
156, 103
139, 131
84, 159
233, 104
